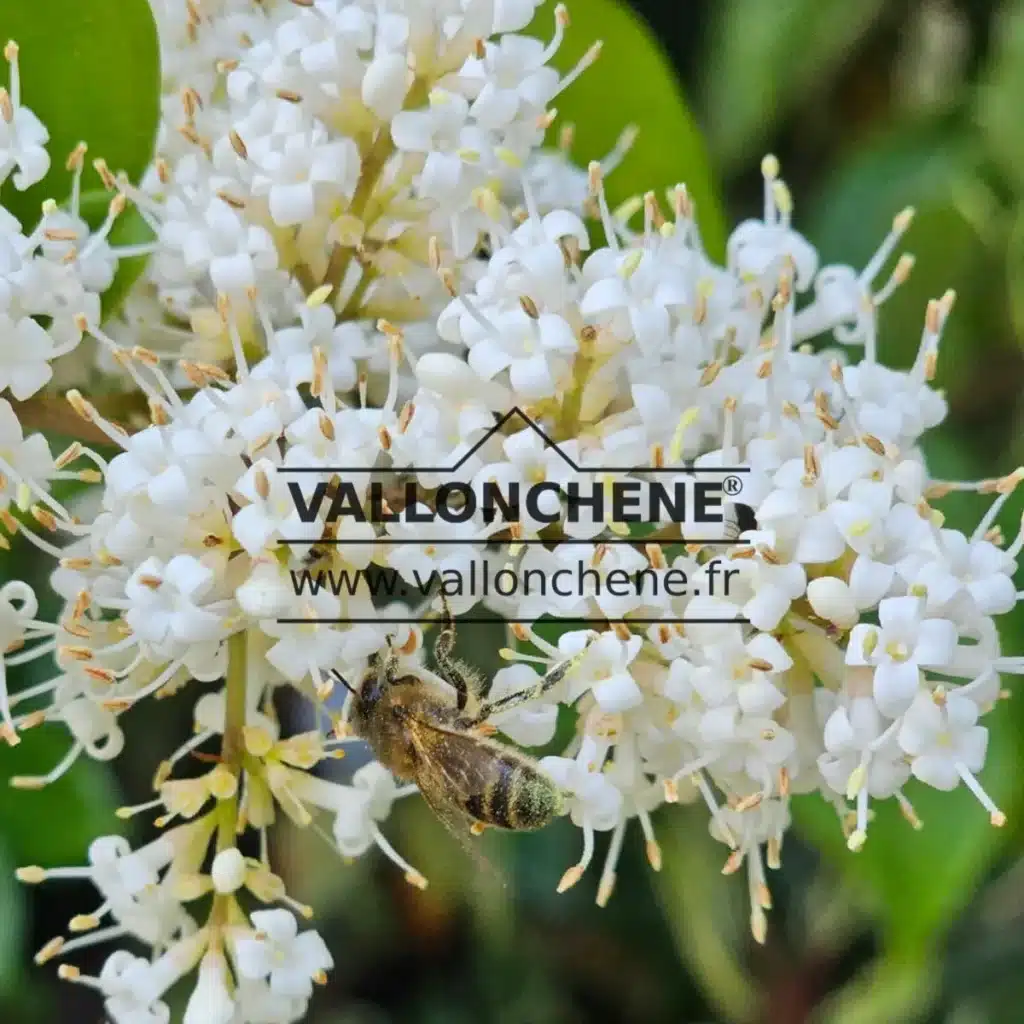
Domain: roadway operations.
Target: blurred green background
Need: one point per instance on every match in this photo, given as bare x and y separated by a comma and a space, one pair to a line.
870, 105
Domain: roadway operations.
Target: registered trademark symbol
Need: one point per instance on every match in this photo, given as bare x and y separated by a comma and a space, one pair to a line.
732, 485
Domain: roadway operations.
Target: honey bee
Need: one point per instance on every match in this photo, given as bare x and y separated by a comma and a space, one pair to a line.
468, 779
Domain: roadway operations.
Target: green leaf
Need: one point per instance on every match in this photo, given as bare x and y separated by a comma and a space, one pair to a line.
915, 883
889, 988
997, 108
766, 58
130, 228
12, 931
926, 166
55, 825
1015, 269
633, 82
90, 70
703, 908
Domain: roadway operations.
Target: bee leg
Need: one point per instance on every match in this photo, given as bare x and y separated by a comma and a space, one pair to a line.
450, 669
549, 680
389, 665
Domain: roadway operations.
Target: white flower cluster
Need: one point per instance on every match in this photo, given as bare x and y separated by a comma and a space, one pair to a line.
54, 270
365, 260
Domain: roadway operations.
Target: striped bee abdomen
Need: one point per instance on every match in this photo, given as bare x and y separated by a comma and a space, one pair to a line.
516, 796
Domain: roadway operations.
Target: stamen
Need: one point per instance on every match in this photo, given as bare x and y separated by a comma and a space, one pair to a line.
42, 781
620, 150
595, 179
561, 24
652, 848
1004, 487
581, 65
576, 872
716, 811
94, 938
900, 224
412, 876
228, 319
908, 812
52, 948
996, 816
770, 173
607, 884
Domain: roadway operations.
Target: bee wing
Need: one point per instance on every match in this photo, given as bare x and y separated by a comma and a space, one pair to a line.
438, 780
490, 784
443, 773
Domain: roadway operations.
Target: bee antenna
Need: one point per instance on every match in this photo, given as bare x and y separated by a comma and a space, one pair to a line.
344, 682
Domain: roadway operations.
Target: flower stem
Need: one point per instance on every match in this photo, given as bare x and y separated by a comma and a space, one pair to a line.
568, 423
374, 162
233, 746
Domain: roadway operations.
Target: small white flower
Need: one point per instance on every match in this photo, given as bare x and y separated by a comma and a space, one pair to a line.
896, 407
532, 725
292, 961
94, 727
297, 163
968, 577
831, 599
758, 249
294, 346
452, 144
634, 294
166, 602
25, 353
271, 511
855, 742
413, 554
764, 589
308, 648
534, 352
126, 984
268, 592
943, 738
604, 671
594, 801
23, 136
210, 1002
219, 242
361, 806
257, 1004
904, 643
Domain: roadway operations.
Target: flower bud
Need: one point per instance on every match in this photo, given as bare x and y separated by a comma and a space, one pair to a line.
228, 871
831, 599
452, 378
385, 84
